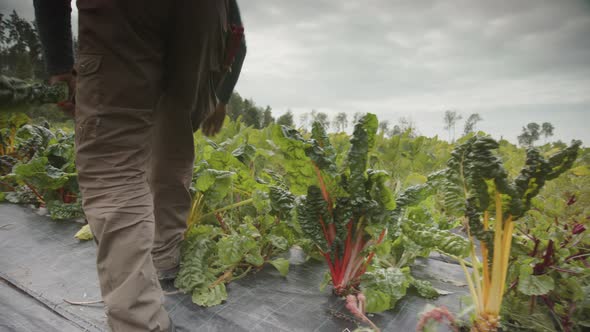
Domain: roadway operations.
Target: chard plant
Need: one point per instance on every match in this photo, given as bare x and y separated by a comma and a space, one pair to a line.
416, 232
477, 185
239, 221
346, 211
550, 278
37, 167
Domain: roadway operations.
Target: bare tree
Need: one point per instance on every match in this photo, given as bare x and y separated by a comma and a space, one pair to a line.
340, 122
470, 123
396, 130
321, 117
407, 125
451, 118
383, 127
304, 120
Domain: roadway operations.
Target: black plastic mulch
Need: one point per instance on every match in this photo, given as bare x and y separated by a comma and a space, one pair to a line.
41, 264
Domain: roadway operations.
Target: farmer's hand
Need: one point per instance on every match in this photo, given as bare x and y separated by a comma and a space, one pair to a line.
67, 106
214, 122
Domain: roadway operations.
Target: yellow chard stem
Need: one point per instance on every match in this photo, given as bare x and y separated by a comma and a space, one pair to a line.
496, 281
508, 229
484, 255
476, 277
470, 284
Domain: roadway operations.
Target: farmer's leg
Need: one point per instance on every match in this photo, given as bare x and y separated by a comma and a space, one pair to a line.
170, 179
193, 55
119, 72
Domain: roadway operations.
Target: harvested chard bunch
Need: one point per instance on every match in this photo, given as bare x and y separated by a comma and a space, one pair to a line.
344, 213
477, 186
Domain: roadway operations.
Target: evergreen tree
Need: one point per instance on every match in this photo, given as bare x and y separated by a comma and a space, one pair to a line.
235, 106
252, 116
267, 117
20, 48
286, 119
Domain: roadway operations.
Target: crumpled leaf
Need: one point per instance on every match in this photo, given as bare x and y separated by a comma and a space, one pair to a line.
40, 174
309, 210
255, 259
215, 185
379, 190
282, 265
279, 242
425, 288
384, 287
320, 150
245, 153
231, 249
62, 211
84, 234
194, 270
443, 240
208, 297
282, 202
362, 140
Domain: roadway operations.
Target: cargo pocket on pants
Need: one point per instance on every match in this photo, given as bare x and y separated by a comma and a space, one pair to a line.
88, 87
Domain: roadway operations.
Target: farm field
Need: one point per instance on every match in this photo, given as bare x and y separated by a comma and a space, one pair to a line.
364, 218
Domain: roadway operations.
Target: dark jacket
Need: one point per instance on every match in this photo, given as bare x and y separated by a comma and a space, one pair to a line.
55, 31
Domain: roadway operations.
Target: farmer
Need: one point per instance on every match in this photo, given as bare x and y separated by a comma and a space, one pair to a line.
147, 73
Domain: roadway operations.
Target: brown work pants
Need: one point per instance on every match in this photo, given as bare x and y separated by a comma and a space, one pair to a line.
143, 66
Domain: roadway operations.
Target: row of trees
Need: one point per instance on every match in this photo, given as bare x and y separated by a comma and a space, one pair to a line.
533, 132
530, 134
450, 120
260, 117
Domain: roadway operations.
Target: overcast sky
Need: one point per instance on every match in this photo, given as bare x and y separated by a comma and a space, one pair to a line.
512, 61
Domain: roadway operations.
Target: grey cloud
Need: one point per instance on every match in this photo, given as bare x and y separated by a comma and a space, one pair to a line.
377, 52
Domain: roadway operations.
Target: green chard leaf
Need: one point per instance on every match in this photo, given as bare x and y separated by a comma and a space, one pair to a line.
442, 240
361, 142
530, 284
309, 211
245, 153
321, 151
282, 202
282, 265
65, 211
383, 288
39, 174
424, 288
208, 297
231, 249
